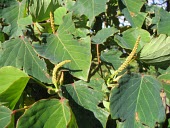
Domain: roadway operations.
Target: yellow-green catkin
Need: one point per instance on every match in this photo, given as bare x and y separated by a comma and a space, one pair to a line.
55, 70
52, 22
128, 59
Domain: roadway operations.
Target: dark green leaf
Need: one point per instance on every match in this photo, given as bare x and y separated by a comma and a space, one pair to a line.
112, 56
19, 53
5, 116
62, 46
12, 84
90, 8
157, 52
51, 113
131, 10
130, 36
2, 37
137, 101
103, 34
89, 99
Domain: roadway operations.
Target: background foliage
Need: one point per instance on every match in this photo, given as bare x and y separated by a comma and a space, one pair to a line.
60, 64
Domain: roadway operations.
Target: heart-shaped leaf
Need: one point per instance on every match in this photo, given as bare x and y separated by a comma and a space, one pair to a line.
63, 46
137, 101
51, 113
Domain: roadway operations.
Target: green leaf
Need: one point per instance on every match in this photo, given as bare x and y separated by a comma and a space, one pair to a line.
58, 15
12, 15
2, 37
137, 101
12, 84
163, 24
40, 9
63, 46
103, 34
88, 98
112, 56
131, 10
19, 53
157, 52
51, 113
90, 8
5, 116
130, 36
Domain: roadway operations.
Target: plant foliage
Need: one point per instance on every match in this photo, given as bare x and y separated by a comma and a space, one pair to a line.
71, 63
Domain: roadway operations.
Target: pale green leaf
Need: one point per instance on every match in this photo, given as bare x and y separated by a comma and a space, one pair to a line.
58, 15
19, 53
137, 101
12, 84
25, 21
157, 51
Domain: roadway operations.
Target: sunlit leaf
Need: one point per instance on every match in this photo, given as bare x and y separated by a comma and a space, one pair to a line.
12, 84
137, 101
19, 53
